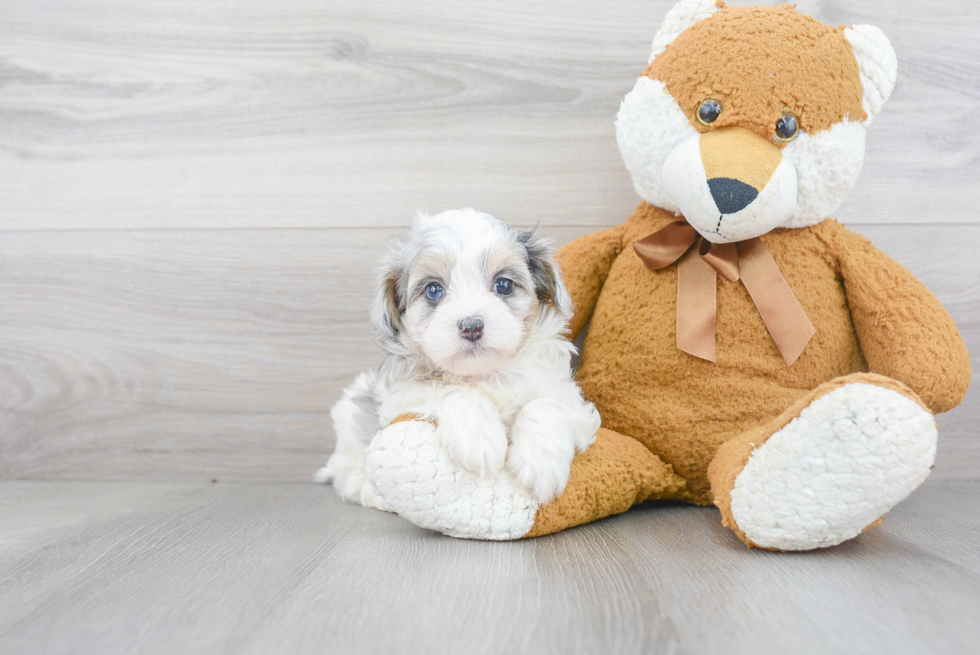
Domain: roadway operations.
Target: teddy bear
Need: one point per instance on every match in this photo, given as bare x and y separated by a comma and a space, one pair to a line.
743, 349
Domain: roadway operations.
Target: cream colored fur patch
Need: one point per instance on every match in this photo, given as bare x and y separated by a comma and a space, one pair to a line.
847, 459
412, 471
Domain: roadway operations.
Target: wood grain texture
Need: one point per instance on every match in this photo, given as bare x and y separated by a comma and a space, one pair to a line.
256, 114
288, 568
217, 354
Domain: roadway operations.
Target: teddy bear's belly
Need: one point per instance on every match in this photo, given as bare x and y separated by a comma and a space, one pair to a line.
683, 408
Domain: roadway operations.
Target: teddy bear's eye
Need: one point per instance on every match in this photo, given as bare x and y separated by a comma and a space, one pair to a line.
708, 111
787, 128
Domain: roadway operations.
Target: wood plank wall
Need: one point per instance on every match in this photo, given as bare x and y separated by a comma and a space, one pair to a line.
193, 194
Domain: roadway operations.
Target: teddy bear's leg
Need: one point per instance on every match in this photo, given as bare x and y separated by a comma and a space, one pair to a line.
828, 468
412, 472
615, 473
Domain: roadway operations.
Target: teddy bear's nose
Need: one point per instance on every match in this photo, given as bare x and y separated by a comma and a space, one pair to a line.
731, 195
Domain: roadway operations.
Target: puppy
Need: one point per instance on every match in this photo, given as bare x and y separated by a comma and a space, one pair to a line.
470, 317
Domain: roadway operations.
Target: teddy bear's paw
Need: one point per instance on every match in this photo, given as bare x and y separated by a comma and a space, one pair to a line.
848, 458
412, 472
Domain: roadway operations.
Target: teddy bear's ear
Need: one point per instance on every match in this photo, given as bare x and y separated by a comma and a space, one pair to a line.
680, 17
877, 64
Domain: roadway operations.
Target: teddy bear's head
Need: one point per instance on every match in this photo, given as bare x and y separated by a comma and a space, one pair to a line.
752, 118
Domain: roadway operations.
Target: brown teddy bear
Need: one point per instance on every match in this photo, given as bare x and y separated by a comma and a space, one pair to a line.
743, 349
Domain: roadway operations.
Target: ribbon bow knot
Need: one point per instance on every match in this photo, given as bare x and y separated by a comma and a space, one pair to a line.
699, 262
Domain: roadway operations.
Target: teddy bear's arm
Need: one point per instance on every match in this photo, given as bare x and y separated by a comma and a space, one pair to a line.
904, 331
585, 264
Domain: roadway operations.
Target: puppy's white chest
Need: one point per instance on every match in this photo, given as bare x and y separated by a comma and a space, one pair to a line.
505, 397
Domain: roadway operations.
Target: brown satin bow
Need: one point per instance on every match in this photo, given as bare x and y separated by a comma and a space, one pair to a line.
698, 262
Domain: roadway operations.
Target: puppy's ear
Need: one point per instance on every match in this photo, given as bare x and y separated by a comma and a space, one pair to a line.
545, 273
388, 306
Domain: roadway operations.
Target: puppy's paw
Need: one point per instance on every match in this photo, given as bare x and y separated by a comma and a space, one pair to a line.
477, 442
345, 469
540, 458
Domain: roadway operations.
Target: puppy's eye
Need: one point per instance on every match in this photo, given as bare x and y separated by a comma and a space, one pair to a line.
502, 286
709, 111
787, 128
434, 292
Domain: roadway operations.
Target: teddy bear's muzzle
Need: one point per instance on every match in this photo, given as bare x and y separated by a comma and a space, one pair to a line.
731, 184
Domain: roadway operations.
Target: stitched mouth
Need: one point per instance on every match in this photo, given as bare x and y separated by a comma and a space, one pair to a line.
718, 226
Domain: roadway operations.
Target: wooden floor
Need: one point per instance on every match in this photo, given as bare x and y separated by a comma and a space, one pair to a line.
103, 567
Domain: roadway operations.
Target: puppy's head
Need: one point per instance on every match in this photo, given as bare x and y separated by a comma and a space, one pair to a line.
465, 292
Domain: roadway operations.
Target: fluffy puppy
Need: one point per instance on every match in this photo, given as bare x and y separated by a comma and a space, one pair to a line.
470, 317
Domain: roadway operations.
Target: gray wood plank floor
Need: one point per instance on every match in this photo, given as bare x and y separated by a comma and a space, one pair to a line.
187, 568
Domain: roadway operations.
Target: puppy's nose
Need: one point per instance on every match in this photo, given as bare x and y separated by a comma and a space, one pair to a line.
731, 195
471, 328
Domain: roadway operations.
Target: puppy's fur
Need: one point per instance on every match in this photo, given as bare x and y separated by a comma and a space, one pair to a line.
506, 398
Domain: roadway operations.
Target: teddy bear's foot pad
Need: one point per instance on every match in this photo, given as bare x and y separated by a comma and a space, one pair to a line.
848, 458
412, 472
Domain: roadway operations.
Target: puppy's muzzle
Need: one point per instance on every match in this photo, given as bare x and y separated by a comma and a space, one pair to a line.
471, 328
